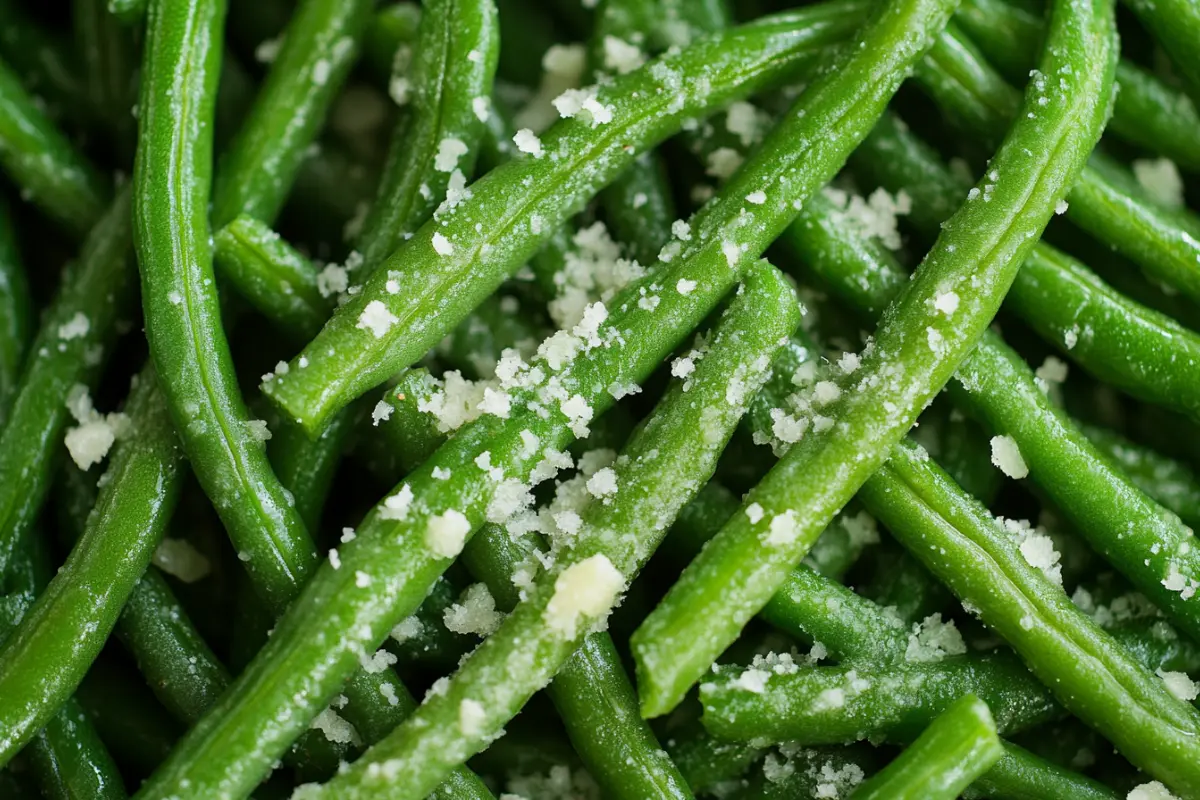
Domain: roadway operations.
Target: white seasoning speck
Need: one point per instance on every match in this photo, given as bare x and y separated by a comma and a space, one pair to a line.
1007, 456
442, 245
377, 319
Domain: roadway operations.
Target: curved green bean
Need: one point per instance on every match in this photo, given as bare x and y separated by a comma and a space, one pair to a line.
1147, 112
1115, 338
980, 248
1176, 26
48, 655
1021, 775
1091, 675
183, 320
525, 201
75, 337
1105, 201
436, 139
956, 748
319, 46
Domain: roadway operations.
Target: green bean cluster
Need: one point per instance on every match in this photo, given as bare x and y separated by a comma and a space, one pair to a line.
479, 399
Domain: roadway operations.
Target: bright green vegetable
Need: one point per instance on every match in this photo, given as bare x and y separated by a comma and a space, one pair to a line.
49, 653
319, 46
280, 282
75, 337
518, 205
183, 320
1147, 112
446, 93
956, 748
916, 349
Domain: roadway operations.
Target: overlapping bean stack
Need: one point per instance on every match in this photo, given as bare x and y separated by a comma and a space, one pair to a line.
617, 399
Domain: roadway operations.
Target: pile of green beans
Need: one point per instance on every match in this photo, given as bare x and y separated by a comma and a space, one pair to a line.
373, 373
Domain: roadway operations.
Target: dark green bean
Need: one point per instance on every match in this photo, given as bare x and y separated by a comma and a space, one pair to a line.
76, 335
16, 315
1176, 26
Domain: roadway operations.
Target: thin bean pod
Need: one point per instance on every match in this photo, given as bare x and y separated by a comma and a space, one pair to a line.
76, 335
1105, 201
108, 60
1167, 481
1147, 543
38, 157
48, 655
128, 11
436, 140
319, 46
272, 275
1115, 338
183, 320
675, 452
981, 247
577, 159
1147, 112
1021, 775
393, 27
956, 748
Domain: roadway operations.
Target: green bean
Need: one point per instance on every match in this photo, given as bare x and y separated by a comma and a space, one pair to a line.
676, 451
319, 47
831, 705
1147, 112
280, 282
16, 315
67, 756
498, 323
533, 197
1176, 26
1021, 775
1105, 201
956, 748
57, 641
793, 771
1167, 481
38, 157
131, 723
70, 760
305, 466
438, 133
1092, 676
983, 244
1120, 341
75, 336
128, 11
183, 321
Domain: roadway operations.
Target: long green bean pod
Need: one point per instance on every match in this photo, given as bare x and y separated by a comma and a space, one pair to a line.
48, 655
67, 756
446, 92
1091, 675
977, 253
319, 46
1115, 338
108, 62
1168, 482
75, 336
378, 331
1147, 112
38, 157
675, 451
183, 320
1105, 201
956, 748
16, 315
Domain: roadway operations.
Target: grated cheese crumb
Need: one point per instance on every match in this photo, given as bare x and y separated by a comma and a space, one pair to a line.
603, 483
377, 319
587, 588
471, 717
446, 533
396, 506
528, 142
1007, 456
1159, 177
1179, 685
441, 245
449, 151
1153, 790
475, 614
180, 558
